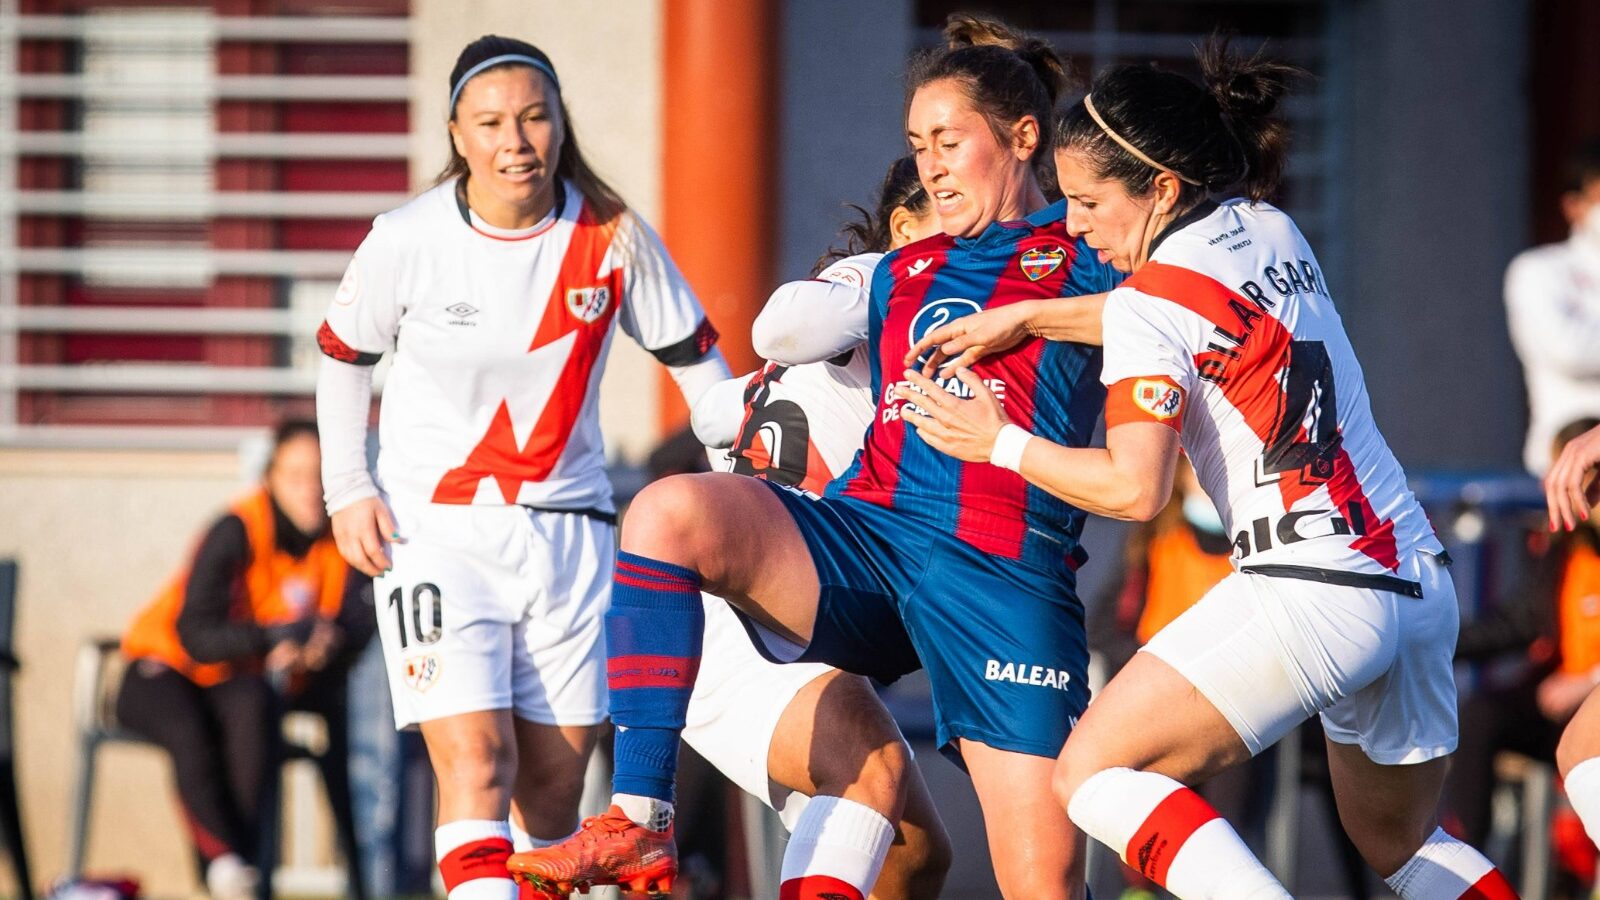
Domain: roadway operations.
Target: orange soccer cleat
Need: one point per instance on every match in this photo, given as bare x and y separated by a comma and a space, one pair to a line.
608, 849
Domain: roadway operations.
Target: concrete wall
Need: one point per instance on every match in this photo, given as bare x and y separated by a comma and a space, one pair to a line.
1435, 186
843, 116
95, 535
609, 67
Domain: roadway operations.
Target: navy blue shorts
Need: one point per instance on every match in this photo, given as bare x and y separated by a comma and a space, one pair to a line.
1003, 642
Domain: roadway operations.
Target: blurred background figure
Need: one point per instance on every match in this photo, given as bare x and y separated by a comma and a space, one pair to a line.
1550, 624
1553, 302
264, 616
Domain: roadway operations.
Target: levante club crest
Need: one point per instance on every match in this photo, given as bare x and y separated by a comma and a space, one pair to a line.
1039, 262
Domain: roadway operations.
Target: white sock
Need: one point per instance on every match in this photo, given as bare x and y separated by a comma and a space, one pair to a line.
1583, 791
472, 857
837, 840
1173, 837
522, 842
229, 877
1445, 869
653, 814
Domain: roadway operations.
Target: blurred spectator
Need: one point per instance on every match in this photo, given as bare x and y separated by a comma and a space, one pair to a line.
1553, 302
1552, 620
265, 616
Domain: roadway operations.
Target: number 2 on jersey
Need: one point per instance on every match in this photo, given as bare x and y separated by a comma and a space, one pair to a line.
435, 631
1309, 404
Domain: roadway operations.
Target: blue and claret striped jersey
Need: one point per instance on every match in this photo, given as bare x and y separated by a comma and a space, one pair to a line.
1052, 389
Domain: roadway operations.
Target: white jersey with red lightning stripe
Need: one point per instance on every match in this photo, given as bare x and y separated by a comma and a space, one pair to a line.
803, 423
500, 343
1228, 334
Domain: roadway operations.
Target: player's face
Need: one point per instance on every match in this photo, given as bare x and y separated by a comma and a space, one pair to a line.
1102, 212
295, 481
508, 128
973, 179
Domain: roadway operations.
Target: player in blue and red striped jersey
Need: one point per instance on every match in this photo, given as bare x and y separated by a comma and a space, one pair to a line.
913, 560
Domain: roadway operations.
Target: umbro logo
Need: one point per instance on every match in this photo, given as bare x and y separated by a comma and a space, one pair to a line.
461, 310
916, 268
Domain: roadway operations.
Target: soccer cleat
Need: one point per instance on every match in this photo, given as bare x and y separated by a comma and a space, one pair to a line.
608, 849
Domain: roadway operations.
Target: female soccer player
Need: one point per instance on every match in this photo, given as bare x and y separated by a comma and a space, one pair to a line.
1225, 338
499, 291
912, 559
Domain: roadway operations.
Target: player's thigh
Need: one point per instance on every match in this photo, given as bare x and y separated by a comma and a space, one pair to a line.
551, 762
558, 659
1581, 739
735, 532
1387, 810
1035, 850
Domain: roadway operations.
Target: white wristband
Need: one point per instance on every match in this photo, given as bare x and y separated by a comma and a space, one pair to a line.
1008, 447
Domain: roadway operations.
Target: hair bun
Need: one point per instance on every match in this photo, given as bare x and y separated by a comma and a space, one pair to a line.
967, 30
1246, 89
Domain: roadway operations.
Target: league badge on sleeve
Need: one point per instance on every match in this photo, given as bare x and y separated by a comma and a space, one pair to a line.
1158, 398
1041, 261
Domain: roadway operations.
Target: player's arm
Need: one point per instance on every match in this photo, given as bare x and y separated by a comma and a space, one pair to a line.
361, 324
968, 339
816, 319
1130, 479
719, 412
661, 313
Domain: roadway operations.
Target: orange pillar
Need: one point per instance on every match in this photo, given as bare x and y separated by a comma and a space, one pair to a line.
720, 168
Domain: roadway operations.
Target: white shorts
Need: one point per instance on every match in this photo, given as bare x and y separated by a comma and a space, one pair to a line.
496, 607
737, 701
1269, 652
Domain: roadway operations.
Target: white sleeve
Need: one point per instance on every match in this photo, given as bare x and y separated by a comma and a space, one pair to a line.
1548, 323
660, 312
1148, 367
344, 400
719, 412
817, 319
364, 317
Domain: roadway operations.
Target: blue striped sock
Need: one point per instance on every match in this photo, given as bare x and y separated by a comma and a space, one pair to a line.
653, 636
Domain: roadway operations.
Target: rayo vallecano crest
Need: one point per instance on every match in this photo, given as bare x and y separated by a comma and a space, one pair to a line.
422, 671
589, 303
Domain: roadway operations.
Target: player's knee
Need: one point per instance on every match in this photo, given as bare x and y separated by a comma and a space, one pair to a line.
667, 519
872, 773
473, 764
1577, 745
1073, 767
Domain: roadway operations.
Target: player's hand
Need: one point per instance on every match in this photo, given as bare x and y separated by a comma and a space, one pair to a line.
361, 529
970, 338
964, 429
1570, 487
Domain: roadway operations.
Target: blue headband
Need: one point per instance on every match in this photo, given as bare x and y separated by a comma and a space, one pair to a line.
491, 62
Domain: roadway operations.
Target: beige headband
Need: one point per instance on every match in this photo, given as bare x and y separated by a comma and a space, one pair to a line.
1088, 103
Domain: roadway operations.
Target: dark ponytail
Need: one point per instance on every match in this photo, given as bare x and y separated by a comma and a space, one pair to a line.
870, 233
603, 201
1006, 73
1222, 136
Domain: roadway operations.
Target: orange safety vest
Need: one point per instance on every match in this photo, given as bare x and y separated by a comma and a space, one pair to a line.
1579, 623
274, 588
1180, 573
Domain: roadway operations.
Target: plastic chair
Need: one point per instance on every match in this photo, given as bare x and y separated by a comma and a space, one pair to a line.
97, 679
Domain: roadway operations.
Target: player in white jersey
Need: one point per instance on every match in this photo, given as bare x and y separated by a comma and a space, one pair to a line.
1225, 338
499, 292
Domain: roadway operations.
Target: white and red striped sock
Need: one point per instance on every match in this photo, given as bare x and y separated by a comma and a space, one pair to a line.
1446, 869
836, 851
1583, 791
472, 856
1171, 835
